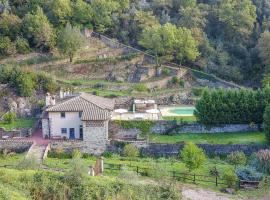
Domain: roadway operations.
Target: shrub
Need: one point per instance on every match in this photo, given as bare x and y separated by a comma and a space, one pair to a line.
166, 71
248, 173
130, 151
266, 122
22, 45
192, 156
107, 154
263, 160
4, 193
6, 46
237, 158
28, 163
141, 87
197, 91
130, 177
143, 126
175, 80
214, 171
9, 117
230, 178
158, 170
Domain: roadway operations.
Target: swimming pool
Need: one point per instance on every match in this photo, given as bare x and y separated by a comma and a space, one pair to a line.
182, 111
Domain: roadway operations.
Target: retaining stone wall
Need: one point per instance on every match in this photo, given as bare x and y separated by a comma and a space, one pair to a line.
18, 146
161, 127
174, 149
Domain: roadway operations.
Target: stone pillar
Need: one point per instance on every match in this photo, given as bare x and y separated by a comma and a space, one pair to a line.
91, 171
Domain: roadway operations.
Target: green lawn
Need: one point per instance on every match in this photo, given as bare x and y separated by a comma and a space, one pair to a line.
181, 118
18, 123
215, 138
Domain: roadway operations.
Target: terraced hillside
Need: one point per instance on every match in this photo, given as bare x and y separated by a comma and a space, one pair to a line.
108, 68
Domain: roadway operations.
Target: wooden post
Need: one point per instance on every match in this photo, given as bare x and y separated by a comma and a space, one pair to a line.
101, 164
137, 170
216, 181
194, 178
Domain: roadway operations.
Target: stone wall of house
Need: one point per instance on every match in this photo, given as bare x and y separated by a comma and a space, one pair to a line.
153, 149
95, 136
45, 128
18, 146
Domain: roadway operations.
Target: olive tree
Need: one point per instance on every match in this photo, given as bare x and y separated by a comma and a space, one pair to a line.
70, 41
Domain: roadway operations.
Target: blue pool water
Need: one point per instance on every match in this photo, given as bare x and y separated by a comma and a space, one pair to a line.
183, 111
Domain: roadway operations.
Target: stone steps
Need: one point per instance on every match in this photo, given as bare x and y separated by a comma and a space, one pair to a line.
36, 152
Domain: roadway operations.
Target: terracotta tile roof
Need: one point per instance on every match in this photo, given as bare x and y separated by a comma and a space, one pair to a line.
92, 107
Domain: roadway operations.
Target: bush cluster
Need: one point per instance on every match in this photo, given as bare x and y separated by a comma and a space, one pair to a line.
143, 126
26, 82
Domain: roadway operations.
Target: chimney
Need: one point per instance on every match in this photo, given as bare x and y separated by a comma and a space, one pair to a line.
48, 99
61, 94
53, 100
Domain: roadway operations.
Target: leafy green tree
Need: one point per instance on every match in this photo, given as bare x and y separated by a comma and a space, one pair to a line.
192, 156
24, 84
38, 30
102, 13
82, 12
167, 40
70, 41
237, 158
230, 178
10, 25
130, 151
238, 16
61, 11
264, 49
266, 122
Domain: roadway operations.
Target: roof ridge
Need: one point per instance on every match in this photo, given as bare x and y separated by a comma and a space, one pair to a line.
92, 103
63, 103
81, 96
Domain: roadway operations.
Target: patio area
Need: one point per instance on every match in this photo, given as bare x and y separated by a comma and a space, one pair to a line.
136, 116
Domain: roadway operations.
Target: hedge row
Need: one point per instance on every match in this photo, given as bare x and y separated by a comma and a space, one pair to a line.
232, 106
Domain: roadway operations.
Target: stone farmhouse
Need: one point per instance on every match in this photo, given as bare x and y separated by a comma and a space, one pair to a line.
81, 117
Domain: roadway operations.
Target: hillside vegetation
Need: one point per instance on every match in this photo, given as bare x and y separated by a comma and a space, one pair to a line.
228, 38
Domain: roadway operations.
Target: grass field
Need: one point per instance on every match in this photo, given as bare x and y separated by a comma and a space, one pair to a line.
181, 118
18, 123
13, 159
216, 138
164, 163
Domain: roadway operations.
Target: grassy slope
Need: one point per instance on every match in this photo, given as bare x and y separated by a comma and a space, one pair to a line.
217, 138
12, 159
18, 123
168, 164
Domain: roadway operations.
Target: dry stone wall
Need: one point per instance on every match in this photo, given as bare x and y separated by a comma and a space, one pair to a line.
153, 149
18, 146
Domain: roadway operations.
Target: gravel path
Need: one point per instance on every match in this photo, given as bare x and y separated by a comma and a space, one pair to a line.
202, 194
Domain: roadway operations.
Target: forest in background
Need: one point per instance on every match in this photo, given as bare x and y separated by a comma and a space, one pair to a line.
229, 38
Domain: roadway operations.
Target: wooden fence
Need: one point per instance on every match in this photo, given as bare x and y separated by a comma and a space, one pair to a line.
180, 176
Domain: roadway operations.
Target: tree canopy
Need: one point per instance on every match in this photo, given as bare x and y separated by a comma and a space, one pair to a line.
70, 41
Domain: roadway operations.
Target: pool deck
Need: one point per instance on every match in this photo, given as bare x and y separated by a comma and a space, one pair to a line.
165, 111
